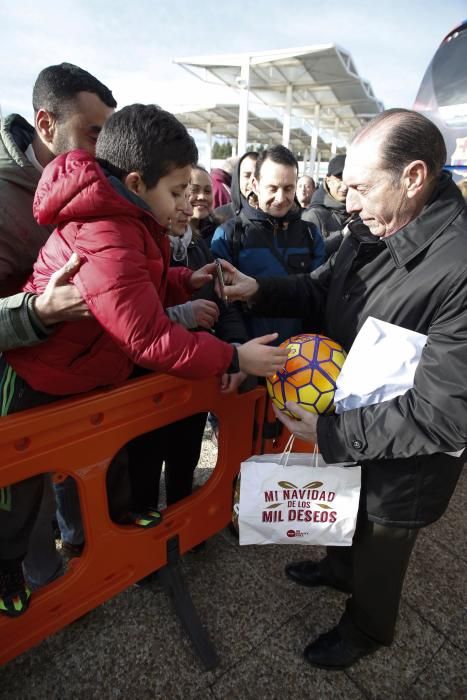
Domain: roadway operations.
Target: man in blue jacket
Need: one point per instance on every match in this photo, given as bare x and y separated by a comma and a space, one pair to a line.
268, 237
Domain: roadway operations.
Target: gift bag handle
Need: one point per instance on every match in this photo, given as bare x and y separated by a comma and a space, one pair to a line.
288, 449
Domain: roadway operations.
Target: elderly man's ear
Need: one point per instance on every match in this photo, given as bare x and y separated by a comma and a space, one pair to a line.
414, 177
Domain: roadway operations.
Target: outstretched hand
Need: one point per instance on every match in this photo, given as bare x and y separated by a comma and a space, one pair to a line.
61, 300
303, 426
202, 276
237, 286
231, 382
258, 358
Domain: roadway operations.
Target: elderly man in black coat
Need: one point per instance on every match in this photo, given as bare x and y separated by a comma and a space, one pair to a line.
407, 265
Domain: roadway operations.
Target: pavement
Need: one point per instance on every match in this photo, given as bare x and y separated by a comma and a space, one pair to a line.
134, 646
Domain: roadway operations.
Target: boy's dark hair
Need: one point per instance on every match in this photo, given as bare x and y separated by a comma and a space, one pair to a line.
278, 154
144, 139
57, 86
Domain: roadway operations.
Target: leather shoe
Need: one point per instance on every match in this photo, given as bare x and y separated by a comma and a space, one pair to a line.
309, 573
332, 652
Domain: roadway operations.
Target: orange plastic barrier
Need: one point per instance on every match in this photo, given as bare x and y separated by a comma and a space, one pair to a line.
79, 437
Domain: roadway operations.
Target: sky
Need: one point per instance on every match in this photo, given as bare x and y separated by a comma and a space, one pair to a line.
130, 46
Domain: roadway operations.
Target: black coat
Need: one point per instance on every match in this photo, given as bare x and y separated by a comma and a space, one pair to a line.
416, 279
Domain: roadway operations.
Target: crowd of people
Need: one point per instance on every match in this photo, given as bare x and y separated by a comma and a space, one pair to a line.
109, 230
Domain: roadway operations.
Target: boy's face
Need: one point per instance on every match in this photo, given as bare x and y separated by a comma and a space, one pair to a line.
169, 196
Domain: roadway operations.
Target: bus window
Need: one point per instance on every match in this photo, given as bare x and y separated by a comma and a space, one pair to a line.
443, 96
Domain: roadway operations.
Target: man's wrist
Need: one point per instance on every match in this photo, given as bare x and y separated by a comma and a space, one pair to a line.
41, 312
42, 329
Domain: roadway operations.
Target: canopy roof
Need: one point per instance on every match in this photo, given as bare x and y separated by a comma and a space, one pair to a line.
223, 119
323, 75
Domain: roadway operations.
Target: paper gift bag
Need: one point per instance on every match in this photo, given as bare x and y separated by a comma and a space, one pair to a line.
305, 501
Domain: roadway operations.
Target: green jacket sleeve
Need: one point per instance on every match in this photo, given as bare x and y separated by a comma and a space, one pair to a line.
19, 324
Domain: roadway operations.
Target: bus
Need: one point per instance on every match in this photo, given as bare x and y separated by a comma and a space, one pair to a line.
442, 97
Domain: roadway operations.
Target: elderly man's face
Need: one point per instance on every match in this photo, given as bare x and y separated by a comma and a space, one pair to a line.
373, 194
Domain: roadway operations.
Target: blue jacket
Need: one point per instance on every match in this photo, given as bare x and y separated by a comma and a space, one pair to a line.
261, 246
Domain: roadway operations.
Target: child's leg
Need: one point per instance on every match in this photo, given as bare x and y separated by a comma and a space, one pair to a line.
19, 503
146, 455
183, 451
43, 563
69, 512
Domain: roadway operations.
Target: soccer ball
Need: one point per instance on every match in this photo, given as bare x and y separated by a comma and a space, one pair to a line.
310, 373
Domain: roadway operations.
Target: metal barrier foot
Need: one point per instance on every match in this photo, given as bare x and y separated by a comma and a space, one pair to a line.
171, 579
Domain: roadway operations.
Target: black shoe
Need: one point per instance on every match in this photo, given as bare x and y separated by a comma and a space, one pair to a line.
309, 573
332, 652
72, 551
147, 580
14, 593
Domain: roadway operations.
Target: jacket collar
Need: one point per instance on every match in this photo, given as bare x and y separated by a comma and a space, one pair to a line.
258, 215
445, 205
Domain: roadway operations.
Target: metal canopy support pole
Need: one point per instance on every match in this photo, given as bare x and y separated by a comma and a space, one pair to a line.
305, 162
287, 116
334, 138
208, 146
234, 147
314, 139
318, 163
244, 85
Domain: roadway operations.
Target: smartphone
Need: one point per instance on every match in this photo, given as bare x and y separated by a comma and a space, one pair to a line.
220, 278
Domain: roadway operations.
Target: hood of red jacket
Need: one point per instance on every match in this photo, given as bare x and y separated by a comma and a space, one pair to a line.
74, 186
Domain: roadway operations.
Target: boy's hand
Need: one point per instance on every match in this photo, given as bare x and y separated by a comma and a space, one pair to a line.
206, 312
231, 382
202, 276
257, 357
303, 426
61, 300
238, 287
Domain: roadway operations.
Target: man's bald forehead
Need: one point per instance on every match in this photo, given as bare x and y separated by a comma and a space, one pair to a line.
403, 136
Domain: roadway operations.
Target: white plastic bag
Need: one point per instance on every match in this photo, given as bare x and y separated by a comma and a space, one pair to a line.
301, 501
380, 365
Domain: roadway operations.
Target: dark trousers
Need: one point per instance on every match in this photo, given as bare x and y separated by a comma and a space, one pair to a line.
20, 502
374, 568
179, 446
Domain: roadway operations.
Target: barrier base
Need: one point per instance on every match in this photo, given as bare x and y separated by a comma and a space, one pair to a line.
171, 578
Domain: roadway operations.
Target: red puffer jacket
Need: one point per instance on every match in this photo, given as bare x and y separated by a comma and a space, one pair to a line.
125, 280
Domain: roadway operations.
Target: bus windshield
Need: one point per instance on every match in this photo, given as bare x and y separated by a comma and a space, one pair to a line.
443, 95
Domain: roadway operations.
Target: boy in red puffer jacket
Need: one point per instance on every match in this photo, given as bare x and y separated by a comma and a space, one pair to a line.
114, 211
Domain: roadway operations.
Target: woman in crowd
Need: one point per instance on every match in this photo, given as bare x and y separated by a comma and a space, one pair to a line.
203, 222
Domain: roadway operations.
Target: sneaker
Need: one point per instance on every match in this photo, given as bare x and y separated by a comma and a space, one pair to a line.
14, 593
148, 518
71, 551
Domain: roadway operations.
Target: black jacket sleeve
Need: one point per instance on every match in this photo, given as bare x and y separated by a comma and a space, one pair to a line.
429, 418
295, 295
